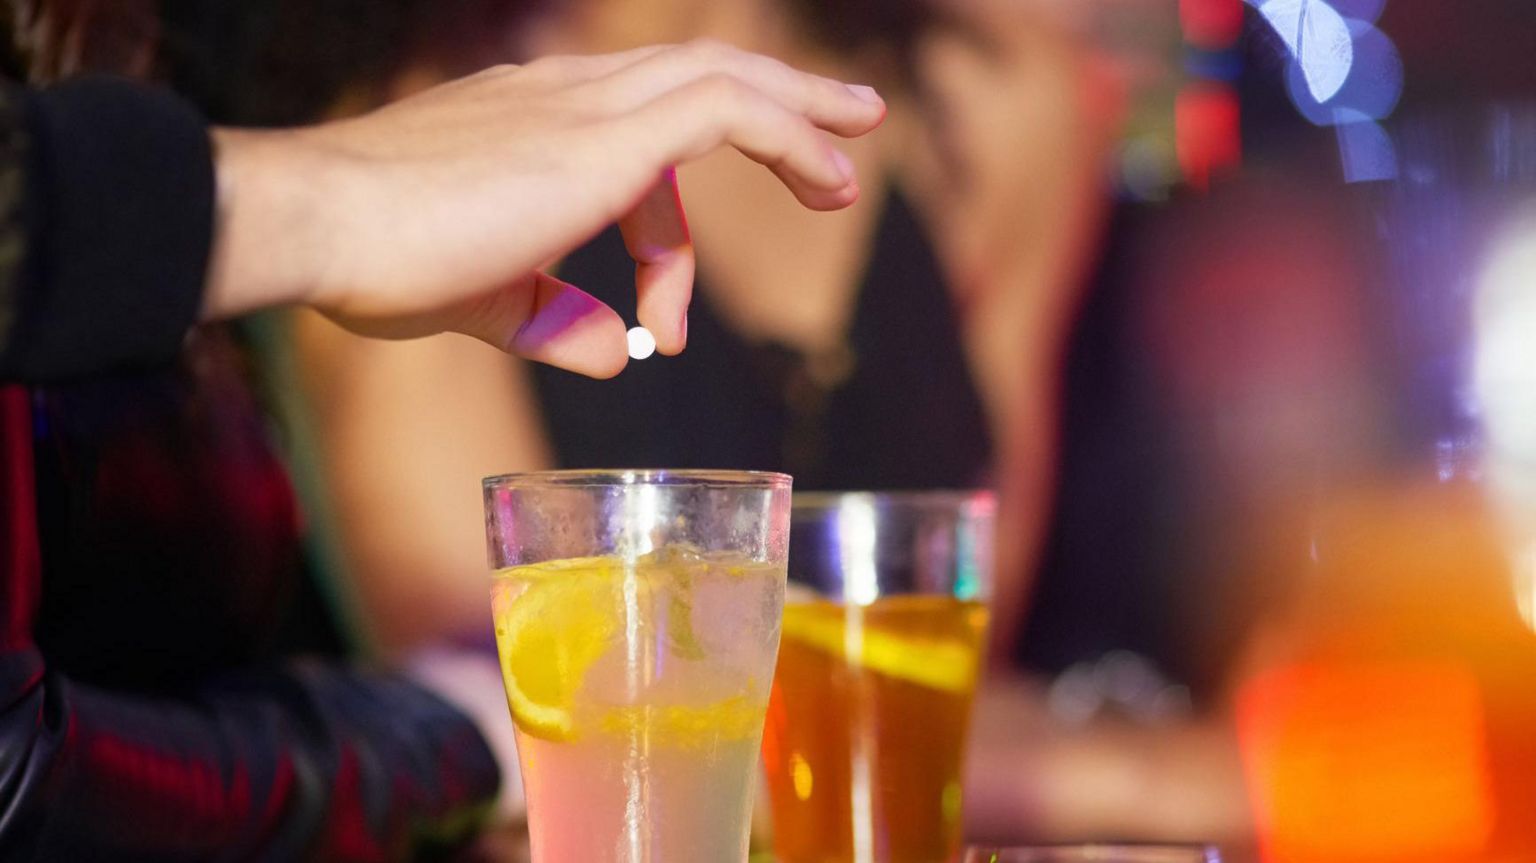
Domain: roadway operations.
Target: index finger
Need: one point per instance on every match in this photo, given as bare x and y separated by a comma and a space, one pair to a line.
656, 235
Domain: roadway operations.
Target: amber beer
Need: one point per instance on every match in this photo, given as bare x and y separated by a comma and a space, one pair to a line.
866, 728
880, 651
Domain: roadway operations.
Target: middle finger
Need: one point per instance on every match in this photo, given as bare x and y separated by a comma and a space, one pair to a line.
842, 109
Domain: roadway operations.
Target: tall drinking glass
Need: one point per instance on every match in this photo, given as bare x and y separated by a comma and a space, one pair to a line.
637, 617
883, 636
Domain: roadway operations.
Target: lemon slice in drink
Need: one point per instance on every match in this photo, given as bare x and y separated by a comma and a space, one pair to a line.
564, 620
873, 641
689, 726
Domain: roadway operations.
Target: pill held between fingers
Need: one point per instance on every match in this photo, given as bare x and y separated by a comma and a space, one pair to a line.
641, 343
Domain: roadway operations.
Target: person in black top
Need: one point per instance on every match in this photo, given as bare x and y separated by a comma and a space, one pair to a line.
123, 220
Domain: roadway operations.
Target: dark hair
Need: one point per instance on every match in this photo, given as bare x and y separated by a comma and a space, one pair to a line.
279, 62
256, 62
45, 40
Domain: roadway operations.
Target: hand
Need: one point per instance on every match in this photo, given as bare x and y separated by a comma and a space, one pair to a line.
433, 214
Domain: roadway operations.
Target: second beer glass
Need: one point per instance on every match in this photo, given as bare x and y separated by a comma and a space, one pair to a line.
882, 644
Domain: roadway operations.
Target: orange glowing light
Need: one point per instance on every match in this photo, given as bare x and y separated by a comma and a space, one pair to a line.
1366, 762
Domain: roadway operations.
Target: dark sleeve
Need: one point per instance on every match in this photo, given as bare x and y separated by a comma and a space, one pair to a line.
106, 222
307, 762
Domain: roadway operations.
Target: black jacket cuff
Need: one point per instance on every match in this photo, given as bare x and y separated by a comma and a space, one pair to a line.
121, 203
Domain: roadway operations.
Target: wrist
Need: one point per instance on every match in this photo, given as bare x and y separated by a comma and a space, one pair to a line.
269, 229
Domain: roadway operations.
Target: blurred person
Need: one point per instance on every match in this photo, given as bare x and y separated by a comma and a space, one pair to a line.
1232, 365
1269, 462
150, 707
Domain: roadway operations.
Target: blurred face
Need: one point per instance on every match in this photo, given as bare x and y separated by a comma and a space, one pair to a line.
603, 26
1122, 53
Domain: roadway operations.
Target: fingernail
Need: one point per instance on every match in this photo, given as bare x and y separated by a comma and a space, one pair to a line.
865, 93
843, 163
684, 328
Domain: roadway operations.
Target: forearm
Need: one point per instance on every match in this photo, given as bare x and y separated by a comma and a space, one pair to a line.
271, 240
314, 762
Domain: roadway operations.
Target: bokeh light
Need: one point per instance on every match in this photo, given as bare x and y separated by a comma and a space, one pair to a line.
1504, 380
1368, 762
1370, 89
1342, 71
1318, 39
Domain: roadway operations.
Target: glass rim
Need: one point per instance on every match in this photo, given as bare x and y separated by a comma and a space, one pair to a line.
622, 477
824, 500
1136, 851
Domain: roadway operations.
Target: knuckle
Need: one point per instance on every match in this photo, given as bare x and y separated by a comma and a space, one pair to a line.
501, 71
779, 70
710, 50
553, 64
590, 102
724, 90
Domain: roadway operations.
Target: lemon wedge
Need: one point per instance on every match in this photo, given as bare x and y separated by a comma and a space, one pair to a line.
736, 718
565, 619
947, 664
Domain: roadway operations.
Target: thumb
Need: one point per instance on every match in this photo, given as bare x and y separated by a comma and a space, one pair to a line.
540, 318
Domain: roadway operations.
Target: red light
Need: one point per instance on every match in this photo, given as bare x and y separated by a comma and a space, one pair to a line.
1208, 136
1211, 24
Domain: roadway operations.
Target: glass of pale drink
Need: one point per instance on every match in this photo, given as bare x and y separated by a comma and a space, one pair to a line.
637, 620
882, 647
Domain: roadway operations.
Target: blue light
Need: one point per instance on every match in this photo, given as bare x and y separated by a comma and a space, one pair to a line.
1213, 65
1372, 89
1342, 68
1360, 10
1319, 41
1365, 149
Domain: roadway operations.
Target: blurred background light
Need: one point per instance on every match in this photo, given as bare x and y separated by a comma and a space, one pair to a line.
1318, 39
1211, 24
1504, 381
1148, 168
1365, 149
1344, 72
1504, 364
1368, 762
1207, 117
1360, 10
1371, 89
